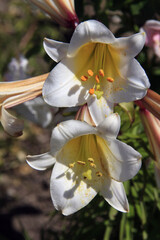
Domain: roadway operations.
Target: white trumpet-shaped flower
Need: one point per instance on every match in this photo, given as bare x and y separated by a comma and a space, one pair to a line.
97, 68
88, 160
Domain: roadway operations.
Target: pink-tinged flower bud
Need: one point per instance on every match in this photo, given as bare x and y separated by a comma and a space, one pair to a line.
61, 11
152, 128
83, 115
152, 30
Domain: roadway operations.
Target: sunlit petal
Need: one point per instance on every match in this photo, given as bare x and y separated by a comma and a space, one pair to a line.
41, 162
114, 193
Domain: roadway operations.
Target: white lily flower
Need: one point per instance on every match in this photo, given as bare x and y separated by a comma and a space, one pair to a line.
88, 160
97, 68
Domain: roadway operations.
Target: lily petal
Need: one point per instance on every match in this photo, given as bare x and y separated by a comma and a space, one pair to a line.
41, 161
56, 50
69, 195
66, 131
11, 124
134, 87
63, 91
99, 108
122, 161
114, 193
110, 126
130, 46
89, 31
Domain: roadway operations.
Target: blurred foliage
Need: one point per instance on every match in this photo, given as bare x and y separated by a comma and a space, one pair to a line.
22, 30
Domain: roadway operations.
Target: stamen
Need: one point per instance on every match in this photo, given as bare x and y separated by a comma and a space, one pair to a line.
91, 91
81, 162
99, 174
97, 78
90, 72
101, 72
71, 165
91, 160
92, 165
109, 79
87, 174
84, 78
98, 87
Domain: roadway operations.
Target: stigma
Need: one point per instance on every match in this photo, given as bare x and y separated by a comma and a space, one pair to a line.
98, 78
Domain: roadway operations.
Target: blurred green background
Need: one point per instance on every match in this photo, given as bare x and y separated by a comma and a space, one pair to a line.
26, 210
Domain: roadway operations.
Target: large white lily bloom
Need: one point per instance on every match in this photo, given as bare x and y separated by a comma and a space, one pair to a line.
97, 68
88, 160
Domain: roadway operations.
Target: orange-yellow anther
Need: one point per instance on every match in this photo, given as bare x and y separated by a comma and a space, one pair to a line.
91, 160
91, 91
97, 78
92, 165
99, 174
90, 72
81, 162
84, 78
71, 165
101, 72
109, 79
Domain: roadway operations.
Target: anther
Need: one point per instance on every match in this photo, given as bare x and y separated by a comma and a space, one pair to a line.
99, 174
92, 165
91, 160
91, 91
81, 162
84, 78
101, 72
97, 78
109, 79
90, 72
71, 165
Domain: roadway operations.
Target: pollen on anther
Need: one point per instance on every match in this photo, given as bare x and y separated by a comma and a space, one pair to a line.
81, 162
91, 160
92, 165
91, 91
109, 79
97, 78
71, 165
90, 72
84, 78
99, 174
101, 72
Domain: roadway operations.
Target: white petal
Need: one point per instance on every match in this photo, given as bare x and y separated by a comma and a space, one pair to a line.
110, 126
11, 124
41, 162
56, 50
61, 88
66, 131
122, 161
114, 193
68, 194
89, 31
134, 85
130, 46
99, 108
37, 111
